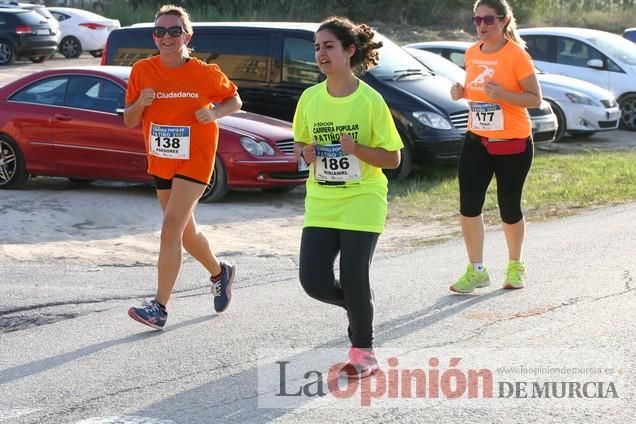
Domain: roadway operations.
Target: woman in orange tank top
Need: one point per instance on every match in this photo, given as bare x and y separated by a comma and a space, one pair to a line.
500, 84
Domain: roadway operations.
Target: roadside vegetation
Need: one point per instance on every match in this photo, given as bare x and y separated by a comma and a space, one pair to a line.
410, 20
559, 184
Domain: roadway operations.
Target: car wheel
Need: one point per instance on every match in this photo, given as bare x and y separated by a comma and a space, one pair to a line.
561, 122
96, 53
38, 59
7, 54
628, 106
581, 134
406, 163
218, 184
12, 170
70, 47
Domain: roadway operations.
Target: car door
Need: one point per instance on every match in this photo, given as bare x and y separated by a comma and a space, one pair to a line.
571, 57
295, 58
90, 138
31, 111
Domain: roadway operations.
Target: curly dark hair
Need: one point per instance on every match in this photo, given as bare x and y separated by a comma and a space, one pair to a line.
360, 35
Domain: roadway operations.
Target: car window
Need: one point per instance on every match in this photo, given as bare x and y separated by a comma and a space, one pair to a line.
396, 63
48, 92
59, 16
299, 62
575, 53
240, 56
94, 93
457, 58
616, 47
539, 48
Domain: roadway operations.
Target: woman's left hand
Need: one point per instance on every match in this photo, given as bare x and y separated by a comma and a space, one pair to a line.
494, 91
347, 144
205, 115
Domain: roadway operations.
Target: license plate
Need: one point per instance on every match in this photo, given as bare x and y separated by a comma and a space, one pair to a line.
302, 166
614, 115
43, 32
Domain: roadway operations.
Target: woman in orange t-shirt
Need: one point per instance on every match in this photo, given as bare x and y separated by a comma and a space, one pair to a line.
500, 84
171, 95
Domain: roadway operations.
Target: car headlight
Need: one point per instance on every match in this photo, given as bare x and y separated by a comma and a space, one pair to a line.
575, 98
257, 148
433, 120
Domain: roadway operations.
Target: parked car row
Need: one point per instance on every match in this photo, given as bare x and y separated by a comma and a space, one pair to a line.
23, 27
592, 59
68, 123
581, 108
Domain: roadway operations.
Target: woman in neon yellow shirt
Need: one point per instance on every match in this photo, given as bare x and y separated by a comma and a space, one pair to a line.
344, 130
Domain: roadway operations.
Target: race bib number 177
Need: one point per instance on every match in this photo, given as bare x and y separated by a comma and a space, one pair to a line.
486, 116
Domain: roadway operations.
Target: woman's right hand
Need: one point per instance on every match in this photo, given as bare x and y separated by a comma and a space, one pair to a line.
457, 91
146, 96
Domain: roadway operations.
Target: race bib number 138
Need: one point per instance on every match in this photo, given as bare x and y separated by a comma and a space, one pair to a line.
170, 141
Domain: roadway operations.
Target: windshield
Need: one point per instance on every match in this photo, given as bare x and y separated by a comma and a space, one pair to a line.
443, 67
395, 63
617, 48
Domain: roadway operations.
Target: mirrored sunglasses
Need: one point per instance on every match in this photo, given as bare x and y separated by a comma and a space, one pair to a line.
173, 31
488, 20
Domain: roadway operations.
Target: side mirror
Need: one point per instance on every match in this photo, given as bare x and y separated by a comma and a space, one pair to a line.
595, 63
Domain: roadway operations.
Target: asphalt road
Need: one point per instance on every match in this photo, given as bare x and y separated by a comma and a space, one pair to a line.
92, 364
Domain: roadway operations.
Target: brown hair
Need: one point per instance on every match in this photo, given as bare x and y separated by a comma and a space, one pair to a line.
359, 35
180, 12
502, 8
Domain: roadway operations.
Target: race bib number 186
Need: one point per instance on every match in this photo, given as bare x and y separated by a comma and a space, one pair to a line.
333, 165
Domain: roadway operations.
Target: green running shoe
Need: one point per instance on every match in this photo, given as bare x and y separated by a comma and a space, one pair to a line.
515, 275
471, 280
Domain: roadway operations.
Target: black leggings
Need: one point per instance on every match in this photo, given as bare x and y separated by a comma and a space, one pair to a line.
475, 171
318, 250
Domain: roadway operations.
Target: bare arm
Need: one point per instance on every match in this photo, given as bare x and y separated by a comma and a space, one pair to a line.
134, 111
226, 107
529, 97
375, 156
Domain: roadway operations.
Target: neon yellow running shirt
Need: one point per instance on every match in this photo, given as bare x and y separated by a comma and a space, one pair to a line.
358, 204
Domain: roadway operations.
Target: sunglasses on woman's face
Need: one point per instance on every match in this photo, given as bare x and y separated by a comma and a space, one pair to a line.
173, 31
488, 20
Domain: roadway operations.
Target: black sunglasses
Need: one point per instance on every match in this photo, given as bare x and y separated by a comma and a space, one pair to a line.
173, 31
488, 20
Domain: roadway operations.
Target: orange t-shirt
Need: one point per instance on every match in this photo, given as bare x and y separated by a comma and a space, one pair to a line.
506, 67
179, 93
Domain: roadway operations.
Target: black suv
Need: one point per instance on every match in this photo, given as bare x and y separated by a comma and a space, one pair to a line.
272, 63
24, 33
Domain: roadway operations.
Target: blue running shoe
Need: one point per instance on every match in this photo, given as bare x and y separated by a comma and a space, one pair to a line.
222, 289
151, 314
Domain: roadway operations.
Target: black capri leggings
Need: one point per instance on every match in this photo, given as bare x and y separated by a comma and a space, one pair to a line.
318, 250
475, 170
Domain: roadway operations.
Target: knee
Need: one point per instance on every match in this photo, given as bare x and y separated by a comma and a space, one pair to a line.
511, 215
311, 283
171, 232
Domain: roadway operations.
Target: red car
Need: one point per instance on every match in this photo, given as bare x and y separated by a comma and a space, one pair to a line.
68, 123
